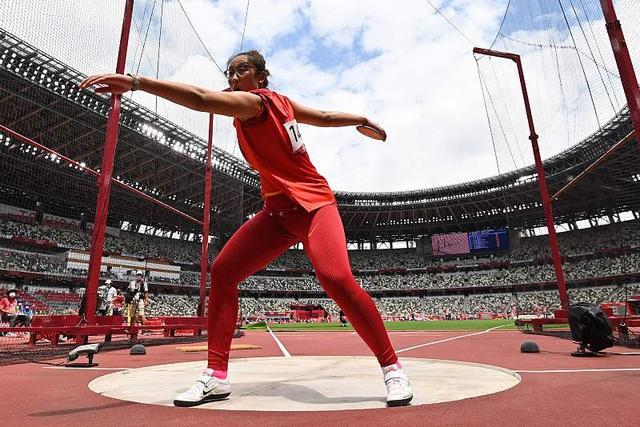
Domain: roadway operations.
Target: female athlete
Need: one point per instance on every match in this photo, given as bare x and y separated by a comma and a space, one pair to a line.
299, 206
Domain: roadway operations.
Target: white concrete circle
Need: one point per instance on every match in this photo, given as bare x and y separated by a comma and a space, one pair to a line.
308, 383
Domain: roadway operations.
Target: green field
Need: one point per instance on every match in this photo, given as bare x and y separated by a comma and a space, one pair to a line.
441, 325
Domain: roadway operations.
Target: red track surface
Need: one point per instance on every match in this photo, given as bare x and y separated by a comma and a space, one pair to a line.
34, 395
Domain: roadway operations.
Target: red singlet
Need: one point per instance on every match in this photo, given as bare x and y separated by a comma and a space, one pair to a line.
273, 145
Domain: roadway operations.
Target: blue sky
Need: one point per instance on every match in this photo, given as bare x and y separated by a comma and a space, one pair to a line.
397, 62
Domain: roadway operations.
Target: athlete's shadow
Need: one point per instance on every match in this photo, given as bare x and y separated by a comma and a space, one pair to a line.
298, 393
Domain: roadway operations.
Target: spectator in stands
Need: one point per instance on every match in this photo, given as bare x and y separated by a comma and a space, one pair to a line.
138, 293
83, 222
39, 212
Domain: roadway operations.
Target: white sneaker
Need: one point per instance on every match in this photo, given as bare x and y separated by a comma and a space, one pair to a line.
398, 386
206, 389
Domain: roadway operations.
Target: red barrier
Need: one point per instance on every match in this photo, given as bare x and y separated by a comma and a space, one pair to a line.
52, 327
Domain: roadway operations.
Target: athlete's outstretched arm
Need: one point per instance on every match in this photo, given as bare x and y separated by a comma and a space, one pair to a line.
314, 117
242, 105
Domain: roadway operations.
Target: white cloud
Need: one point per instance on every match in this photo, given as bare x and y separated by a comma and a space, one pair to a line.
398, 63
420, 84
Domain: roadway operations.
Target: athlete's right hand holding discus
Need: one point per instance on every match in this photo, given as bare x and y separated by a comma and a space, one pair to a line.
372, 130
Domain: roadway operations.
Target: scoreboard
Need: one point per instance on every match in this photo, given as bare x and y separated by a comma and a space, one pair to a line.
489, 240
476, 241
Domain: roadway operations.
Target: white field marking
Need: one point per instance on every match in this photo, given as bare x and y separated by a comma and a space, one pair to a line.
431, 334
450, 339
85, 369
303, 334
408, 333
282, 348
561, 371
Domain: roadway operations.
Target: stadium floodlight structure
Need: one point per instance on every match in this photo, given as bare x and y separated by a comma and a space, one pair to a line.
542, 181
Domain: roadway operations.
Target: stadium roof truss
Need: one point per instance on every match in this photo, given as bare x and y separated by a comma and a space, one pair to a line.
40, 99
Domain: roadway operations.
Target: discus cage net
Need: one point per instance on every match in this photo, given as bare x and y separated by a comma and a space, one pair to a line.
54, 149
52, 139
585, 126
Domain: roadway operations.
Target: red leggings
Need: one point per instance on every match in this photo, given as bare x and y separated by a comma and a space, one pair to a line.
264, 238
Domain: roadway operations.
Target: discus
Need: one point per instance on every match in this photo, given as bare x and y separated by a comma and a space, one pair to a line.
371, 132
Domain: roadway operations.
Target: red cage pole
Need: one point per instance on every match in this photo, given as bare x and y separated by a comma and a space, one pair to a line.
542, 181
104, 180
204, 262
623, 60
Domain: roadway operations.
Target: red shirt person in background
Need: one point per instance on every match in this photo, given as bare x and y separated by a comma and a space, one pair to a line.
9, 311
299, 207
117, 304
9, 304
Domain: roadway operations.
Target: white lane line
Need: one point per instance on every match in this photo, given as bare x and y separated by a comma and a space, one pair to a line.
450, 339
408, 333
282, 348
85, 369
422, 333
561, 371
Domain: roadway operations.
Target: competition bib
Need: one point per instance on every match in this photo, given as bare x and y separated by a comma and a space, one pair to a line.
294, 135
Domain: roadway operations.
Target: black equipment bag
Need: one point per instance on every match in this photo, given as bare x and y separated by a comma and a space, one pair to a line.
590, 327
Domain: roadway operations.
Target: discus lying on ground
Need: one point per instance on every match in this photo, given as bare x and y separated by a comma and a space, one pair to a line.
371, 132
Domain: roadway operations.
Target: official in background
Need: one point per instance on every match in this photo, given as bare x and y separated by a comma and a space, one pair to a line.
102, 305
111, 294
138, 295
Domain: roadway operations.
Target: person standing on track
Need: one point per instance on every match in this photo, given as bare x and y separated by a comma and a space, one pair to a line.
138, 294
298, 206
112, 292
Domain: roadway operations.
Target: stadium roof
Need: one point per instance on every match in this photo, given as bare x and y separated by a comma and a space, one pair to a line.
40, 99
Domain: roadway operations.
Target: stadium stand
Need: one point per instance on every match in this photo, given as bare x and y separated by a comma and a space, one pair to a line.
602, 253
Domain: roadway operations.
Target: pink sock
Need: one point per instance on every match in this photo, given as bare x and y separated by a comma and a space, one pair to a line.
393, 367
220, 374
216, 373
